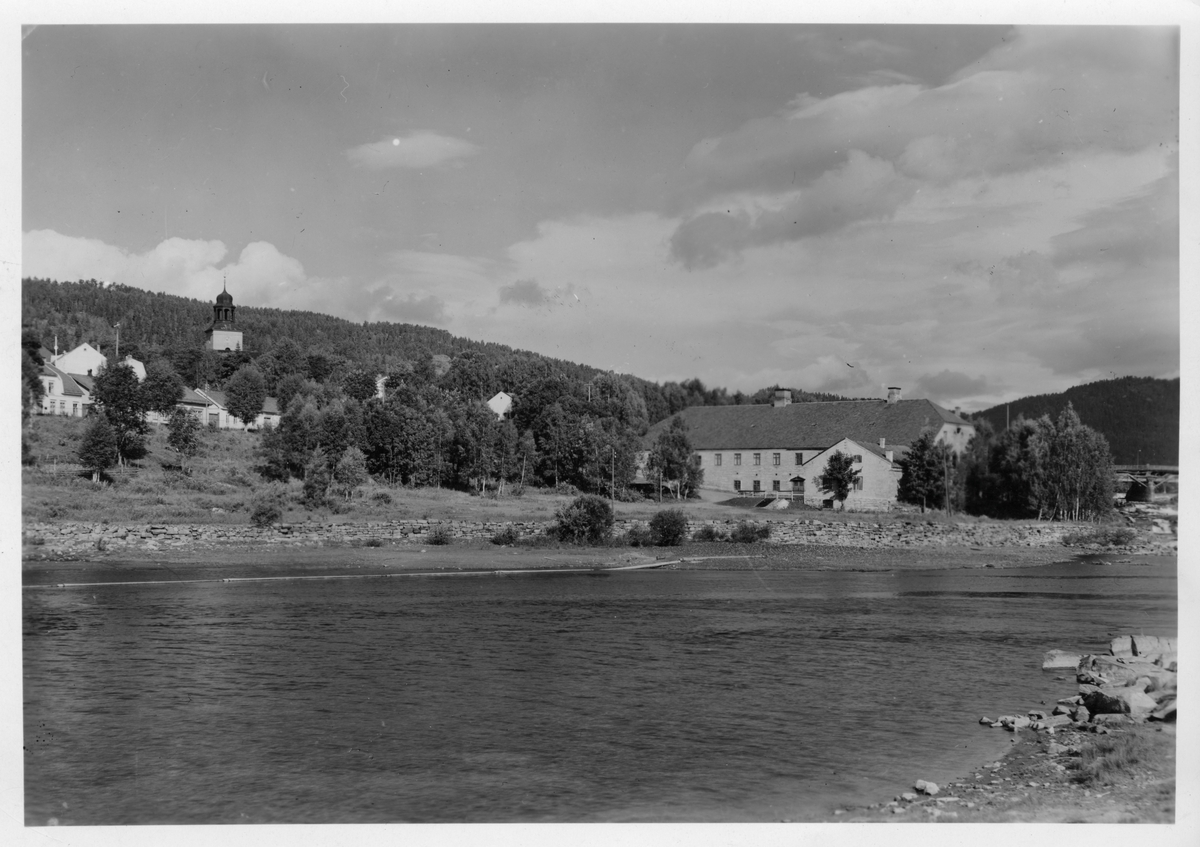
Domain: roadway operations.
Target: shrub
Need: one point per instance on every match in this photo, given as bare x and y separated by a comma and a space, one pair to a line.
638, 536
708, 532
382, 497
749, 533
265, 511
1105, 758
588, 519
669, 527
508, 535
439, 536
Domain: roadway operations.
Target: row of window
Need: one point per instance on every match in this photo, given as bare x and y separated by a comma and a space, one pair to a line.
776, 459
797, 485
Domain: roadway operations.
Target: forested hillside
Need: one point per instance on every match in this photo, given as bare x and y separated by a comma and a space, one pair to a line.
1138, 415
319, 347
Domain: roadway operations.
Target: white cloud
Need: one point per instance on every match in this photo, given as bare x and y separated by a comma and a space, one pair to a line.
417, 150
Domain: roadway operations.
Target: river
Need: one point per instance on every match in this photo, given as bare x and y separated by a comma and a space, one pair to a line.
638, 696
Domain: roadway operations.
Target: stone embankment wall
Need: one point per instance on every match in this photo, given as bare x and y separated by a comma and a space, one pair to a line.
78, 537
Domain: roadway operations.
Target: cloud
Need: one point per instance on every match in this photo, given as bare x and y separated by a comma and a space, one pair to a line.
949, 386
1049, 95
417, 150
429, 309
523, 292
864, 188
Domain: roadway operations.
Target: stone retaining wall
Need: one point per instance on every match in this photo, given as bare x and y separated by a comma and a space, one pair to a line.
77, 537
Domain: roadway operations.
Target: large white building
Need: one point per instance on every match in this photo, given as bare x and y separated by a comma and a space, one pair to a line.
783, 448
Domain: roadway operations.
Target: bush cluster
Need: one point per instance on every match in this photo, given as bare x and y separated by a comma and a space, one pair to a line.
587, 519
668, 527
748, 533
1104, 536
439, 536
708, 532
507, 536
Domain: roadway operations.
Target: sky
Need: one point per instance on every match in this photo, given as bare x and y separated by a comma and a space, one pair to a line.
972, 213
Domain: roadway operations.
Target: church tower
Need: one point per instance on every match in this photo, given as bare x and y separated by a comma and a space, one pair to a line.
222, 336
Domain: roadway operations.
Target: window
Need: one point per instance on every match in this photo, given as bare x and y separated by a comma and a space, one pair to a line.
737, 458
74, 410
717, 460
737, 485
775, 459
757, 486
758, 458
858, 484
858, 458
799, 458
774, 485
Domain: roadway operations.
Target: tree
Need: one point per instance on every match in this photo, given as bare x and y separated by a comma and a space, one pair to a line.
673, 458
98, 450
359, 384
118, 396
839, 477
350, 472
928, 473
316, 479
588, 519
162, 388
31, 366
183, 434
1078, 469
245, 393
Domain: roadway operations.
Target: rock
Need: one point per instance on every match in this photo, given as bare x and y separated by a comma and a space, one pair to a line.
1165, 712
1081, 714
987, 721
1051, 722
908, 796
1112, 670
1036, 715
1106, 720
925, 787
1069, 701
1061, 710
1120, 701
1122, 645
1055, 659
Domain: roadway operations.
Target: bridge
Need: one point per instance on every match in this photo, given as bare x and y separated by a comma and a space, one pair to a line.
1145, 481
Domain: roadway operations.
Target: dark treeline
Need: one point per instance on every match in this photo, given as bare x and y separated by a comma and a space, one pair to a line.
1139, 416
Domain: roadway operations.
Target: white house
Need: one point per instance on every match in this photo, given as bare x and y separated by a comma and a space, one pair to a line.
501, 404
62, 394
84, 359
216, 411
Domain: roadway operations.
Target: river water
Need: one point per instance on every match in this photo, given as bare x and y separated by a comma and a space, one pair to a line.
637, 696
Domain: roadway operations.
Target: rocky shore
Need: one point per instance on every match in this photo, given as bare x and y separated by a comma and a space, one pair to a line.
1105, 754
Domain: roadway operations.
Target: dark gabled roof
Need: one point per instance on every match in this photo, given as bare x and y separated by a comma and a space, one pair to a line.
69, 387
85, 381
192, 398
810, 426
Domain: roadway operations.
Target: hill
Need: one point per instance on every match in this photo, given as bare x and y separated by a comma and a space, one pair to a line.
1139, 415
172, 327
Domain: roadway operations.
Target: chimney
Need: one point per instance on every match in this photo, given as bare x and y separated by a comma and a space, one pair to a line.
893, 394
887, 454
958, 411
783, 397
882, 442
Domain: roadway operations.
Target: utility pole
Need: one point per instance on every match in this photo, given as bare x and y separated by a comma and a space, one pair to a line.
612, 484
117, 327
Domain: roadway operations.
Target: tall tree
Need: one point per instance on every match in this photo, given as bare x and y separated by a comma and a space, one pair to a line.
928, 473
183, 434
245, 393
118, 396
359, 384
839, 477
98, 449
162, 388
672, 457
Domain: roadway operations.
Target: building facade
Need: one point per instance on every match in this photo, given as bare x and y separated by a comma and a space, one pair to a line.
781, 450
